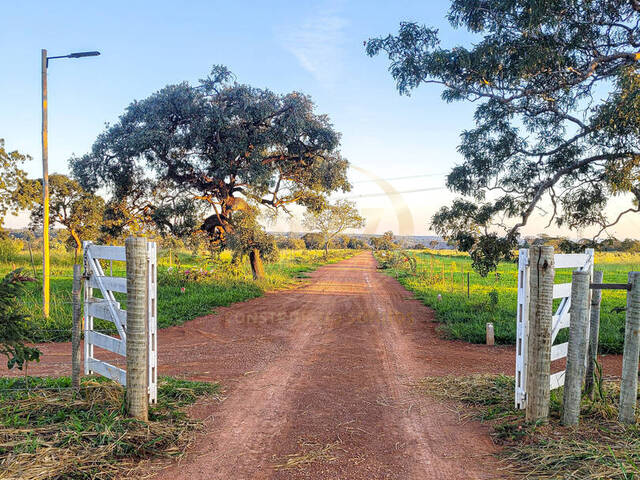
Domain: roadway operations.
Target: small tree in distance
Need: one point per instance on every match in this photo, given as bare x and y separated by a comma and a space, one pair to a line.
16, 192
79, 211
333, 220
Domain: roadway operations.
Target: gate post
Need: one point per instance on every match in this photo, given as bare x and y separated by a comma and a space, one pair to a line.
577, 347
542, 274
631, 350
594, 332
76, 294
137, 336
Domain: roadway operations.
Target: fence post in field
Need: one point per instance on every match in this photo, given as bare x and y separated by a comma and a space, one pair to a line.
491, 340
594, 332
540, 319
577, 347
137, 401
76, 295
631, 350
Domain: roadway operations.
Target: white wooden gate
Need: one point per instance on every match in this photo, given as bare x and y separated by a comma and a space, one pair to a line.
581, 261
108, 308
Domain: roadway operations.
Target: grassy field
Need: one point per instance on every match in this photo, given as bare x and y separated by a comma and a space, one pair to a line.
207, 284
50, 432
493, 298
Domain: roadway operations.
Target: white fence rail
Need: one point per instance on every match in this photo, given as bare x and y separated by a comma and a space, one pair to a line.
108, 308
562, 291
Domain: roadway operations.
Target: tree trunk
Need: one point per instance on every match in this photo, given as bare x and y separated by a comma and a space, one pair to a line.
257, 268
326, 249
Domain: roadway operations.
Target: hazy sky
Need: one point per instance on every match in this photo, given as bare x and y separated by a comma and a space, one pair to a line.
312, 47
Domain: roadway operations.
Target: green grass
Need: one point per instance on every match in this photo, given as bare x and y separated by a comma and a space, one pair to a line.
48, 431
209, 285
465, 318
598, 448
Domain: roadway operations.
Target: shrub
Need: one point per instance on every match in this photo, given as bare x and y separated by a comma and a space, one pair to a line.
10, 248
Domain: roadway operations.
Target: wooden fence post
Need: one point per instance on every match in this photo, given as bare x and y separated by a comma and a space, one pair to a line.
594, 332
76, 295
631, 350
577, 347
491, 339
137, 401
540, 320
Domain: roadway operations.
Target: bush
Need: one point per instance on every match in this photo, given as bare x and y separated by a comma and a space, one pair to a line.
10, 248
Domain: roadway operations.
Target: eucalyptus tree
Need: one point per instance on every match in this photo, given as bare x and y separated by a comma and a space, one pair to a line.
557, 116
221, 145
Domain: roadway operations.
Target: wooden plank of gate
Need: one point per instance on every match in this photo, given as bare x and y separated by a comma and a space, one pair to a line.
115, 284
559, 351
107, 370
561, 290
107, 342
100, 308
556, 380
570, 260
106, 252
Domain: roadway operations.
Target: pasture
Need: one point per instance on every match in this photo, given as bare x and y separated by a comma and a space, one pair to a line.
189, 285
465, 309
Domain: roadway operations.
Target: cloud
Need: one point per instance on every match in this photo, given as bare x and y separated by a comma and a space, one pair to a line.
317, 43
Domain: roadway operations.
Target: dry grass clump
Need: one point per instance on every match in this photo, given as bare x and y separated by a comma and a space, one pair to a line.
49, 433
310, 452
598, 448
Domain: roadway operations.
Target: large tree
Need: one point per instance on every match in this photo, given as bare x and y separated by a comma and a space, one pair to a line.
333, 220
222, 146
556, 85
79, 211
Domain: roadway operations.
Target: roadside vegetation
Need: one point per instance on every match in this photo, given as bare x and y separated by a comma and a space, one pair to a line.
49, 432
598, 448
464, 309
189, 285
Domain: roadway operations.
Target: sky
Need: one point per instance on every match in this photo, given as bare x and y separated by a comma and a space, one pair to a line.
394, 143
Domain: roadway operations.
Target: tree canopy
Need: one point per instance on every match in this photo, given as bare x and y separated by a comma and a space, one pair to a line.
214, 149
333, 220
15, 193
79, 211
557, 116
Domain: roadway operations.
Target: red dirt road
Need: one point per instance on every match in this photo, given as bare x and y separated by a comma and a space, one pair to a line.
325, 368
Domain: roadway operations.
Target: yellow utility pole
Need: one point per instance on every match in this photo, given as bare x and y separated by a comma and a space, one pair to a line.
45, 176
45, 191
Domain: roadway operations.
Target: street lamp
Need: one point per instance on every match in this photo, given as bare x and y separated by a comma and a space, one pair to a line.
45, 175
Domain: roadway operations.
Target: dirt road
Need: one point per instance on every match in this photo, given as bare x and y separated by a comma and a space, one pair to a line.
325, 371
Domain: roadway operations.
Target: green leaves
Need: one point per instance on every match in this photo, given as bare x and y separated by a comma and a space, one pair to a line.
13, 322
556, 87
182, 158
14, 192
